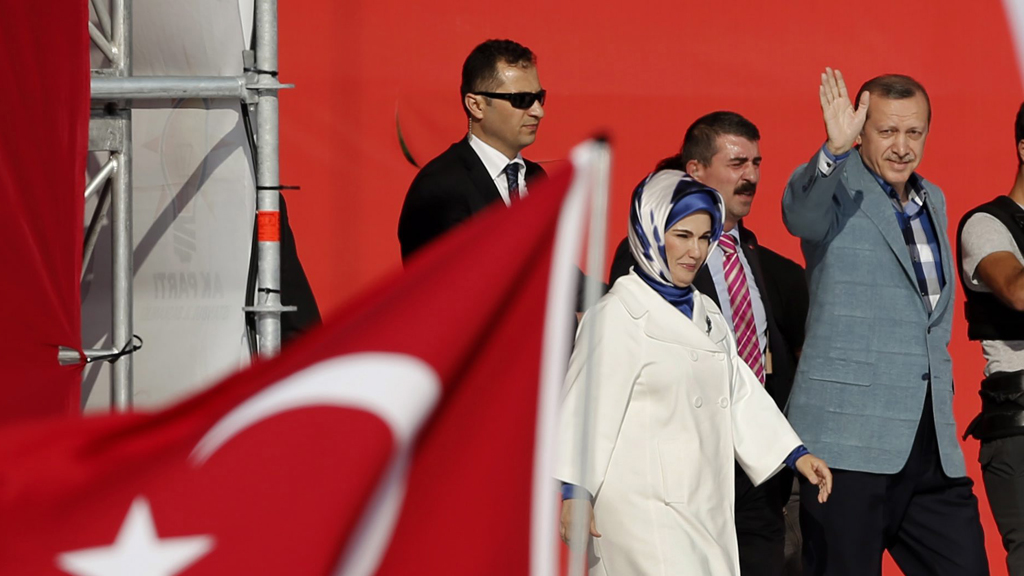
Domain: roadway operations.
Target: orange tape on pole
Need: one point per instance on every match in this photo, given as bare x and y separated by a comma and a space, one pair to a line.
268, 226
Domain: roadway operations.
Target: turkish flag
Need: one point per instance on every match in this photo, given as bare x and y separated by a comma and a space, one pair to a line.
43, 141
402, 438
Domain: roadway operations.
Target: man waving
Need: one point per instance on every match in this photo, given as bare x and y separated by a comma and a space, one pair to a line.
873, 393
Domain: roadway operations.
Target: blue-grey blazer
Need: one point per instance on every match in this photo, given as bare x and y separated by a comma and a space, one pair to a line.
872, 347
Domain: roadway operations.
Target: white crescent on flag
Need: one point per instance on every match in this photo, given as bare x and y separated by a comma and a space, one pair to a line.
400, 389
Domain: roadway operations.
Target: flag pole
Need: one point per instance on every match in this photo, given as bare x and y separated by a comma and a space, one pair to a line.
597, 239
563, 287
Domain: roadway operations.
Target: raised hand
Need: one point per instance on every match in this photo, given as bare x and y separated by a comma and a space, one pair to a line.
842, 123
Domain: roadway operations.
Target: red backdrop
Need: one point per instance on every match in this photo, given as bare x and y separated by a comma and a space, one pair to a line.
642, 73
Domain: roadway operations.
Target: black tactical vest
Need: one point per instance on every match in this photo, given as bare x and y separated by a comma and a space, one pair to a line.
988, 318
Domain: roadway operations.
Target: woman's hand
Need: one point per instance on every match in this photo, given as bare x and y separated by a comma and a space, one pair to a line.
816, 472
568, 511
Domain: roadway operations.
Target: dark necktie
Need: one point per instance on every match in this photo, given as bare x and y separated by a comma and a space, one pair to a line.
512, 174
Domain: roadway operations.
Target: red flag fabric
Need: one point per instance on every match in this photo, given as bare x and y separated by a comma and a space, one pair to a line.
398, 439
43, 139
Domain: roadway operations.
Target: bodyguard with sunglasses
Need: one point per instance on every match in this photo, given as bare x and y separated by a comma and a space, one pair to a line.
504, 102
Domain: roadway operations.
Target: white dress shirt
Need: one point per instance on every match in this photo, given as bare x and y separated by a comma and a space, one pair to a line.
716, 265
495, 163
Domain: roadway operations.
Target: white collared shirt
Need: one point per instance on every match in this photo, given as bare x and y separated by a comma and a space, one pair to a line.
495, 163
716, 265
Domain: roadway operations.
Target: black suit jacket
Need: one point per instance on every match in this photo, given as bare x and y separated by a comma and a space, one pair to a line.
783, 288
446, 192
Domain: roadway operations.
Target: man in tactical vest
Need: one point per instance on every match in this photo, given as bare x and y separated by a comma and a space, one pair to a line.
990, 241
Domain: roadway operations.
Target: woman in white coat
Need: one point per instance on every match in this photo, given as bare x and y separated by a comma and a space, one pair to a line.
671, 405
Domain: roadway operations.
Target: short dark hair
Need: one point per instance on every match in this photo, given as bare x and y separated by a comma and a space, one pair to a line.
480, 71
671, 163
1018, 132
701, 140
895, 87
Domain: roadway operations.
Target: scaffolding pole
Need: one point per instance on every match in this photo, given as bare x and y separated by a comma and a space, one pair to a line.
268, 295
121, 219
169, 87
113, 91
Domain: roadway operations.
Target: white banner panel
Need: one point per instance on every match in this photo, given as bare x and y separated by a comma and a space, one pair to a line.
193, 205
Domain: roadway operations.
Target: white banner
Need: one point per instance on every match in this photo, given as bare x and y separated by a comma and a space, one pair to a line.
193, 205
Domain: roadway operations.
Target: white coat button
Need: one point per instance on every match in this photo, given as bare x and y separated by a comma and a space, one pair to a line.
723, 402
693, 355
698, 402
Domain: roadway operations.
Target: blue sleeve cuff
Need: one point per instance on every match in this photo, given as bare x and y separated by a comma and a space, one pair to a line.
570, 491
797, 453
830, 156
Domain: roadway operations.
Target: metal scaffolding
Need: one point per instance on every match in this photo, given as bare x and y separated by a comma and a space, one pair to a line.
114, 90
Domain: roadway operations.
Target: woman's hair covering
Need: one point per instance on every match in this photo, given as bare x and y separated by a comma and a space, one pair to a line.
661, 200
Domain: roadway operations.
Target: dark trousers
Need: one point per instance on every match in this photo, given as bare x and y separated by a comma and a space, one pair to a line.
927, 521
794, 565
761, 523
1002, 465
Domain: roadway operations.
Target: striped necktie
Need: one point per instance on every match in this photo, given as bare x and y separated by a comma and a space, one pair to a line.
742, 308
512, 174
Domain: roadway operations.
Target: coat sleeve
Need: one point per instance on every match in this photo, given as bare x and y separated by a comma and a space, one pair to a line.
809, 208
603, 369
762, 437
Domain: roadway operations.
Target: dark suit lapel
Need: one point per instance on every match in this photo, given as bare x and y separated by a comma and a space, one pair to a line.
534, 171
778, 388
748, 243
478, 176
705, 284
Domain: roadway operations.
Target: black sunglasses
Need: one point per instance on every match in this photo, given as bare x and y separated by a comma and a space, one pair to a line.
520, 100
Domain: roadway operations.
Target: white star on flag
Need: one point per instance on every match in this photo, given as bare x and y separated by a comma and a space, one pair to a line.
138, 550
